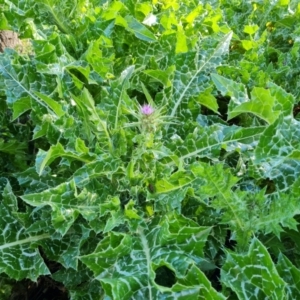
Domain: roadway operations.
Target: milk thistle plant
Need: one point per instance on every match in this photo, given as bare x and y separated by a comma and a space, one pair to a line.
121, 135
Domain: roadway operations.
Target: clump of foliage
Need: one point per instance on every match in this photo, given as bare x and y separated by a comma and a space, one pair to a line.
151, 148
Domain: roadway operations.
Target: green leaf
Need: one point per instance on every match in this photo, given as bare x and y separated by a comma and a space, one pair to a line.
80, 146
290, 274
188, 74
248, 45
236, 91
277, 152
218, 180
99, 55
20, 106
162, 76
61, 14
80, 282
64, 203
198, 281
112, 11
125, 213
21, 84
170, 191
163, 242
253, 275
177, 181
66, 249
181, 45
138, 29
207, 141
216, 189
266, 103
206, 99
45, 158
251, 29
8, 197
12, 147
102, 167
120, 97
284, 101
87, 109
130, 211
261, 104
18, 259
55, 107
33, 183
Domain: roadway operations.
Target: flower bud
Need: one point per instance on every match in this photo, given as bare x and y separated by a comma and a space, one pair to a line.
147, 109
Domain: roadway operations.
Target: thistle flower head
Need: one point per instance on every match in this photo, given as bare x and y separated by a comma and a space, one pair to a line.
150, 118
147, 109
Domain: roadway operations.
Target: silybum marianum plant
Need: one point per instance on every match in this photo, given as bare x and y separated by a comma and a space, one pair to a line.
150, 149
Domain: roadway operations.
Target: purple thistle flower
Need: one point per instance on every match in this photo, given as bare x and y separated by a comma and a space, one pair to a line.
147, 109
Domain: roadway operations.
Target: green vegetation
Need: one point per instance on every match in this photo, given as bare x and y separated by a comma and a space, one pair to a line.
151, 148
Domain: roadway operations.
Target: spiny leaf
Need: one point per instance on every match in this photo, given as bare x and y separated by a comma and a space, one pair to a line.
139, 30
266, 103
21, 83
164, 242
186, 79
45, 158
18, 258
277, 152
64, 203
208, 141
290, 274
52, 104
67, 204
253, 275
